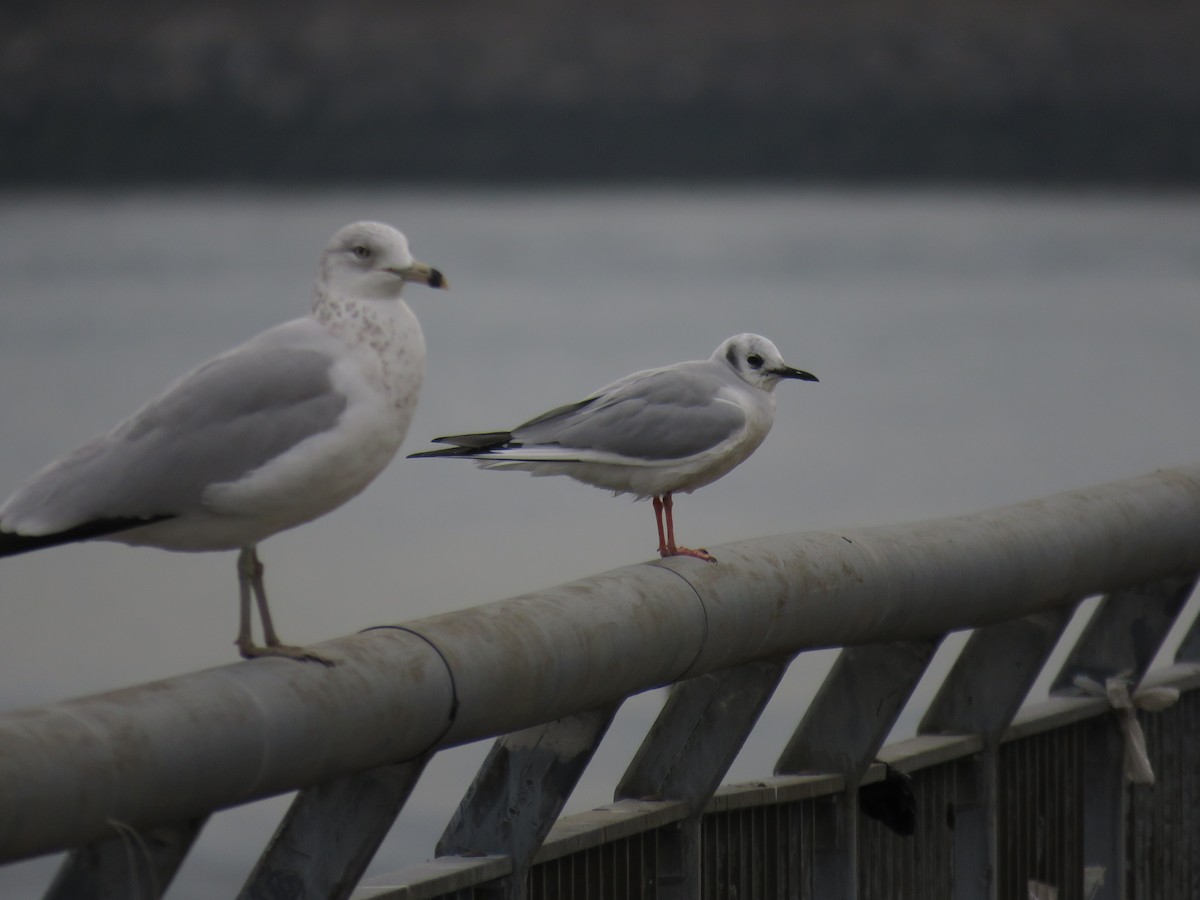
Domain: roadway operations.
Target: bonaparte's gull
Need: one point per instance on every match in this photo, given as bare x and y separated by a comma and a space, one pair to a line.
651, 434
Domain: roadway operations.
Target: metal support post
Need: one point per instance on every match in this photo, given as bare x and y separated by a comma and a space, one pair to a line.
993, 674
1189, 647
855, 709
331, 833
835, 847
519, 792
1125, 633
841, 732
976, 839
699, 732
981, 695
1104, 805
687, 752
133, 864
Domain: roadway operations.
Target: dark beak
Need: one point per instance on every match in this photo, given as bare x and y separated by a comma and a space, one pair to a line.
789, 372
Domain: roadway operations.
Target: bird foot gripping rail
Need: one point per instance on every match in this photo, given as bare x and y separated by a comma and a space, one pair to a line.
987, 801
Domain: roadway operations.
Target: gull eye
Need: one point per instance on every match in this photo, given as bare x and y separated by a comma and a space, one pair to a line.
361, 251
755, 361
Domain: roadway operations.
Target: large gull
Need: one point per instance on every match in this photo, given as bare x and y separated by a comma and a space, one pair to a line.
651, 434
271, 434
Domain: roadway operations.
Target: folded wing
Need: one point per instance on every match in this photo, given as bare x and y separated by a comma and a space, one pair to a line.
222, 420
650, 418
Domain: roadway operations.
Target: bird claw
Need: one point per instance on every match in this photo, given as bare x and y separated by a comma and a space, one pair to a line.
300, 654
684, 551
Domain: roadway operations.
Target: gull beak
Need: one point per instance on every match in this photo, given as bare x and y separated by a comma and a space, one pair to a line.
789, 372
422, 274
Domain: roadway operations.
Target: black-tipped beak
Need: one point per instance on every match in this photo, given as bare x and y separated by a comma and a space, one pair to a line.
423, 274
789, 372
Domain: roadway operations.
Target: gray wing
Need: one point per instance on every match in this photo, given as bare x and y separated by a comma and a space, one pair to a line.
661, 414
222, 420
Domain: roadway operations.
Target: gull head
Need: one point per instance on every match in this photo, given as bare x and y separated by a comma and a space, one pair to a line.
371, 260
757, 361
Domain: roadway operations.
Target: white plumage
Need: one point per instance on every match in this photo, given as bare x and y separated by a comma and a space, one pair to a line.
651, 434
271, 434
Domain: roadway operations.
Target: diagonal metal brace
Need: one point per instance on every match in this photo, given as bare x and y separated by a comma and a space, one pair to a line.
687, 752
331, 833
855, 709
1123, 636
842, 731
1125, 633
521, 789
993, 674
699, 732
133, 864
982, 693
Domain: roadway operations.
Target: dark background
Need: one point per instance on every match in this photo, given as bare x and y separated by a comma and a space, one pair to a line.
1052, 91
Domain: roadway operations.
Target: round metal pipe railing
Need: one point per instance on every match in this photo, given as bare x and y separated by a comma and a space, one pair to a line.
165, 752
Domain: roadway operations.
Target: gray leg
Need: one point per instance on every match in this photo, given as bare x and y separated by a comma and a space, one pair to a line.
250, 579
245, 569
270, 638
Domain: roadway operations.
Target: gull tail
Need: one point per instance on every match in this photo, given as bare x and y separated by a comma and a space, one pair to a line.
12, 544
467, 444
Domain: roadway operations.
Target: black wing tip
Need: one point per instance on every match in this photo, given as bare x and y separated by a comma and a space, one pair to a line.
447, 451
466, 444
485, 440
13, 544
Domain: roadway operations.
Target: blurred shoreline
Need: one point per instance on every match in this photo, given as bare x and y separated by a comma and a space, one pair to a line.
532, 92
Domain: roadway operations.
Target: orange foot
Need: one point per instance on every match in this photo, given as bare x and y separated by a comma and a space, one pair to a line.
684, 551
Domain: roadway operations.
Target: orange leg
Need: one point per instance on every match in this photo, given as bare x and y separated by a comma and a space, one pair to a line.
668, 547
658, 519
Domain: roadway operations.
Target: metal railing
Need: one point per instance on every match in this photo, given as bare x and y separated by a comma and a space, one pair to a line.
1000, 804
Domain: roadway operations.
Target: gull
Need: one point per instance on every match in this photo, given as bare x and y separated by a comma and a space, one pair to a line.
271, 434
652, 434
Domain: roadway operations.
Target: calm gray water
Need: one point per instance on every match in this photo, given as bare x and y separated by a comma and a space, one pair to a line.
974, 350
